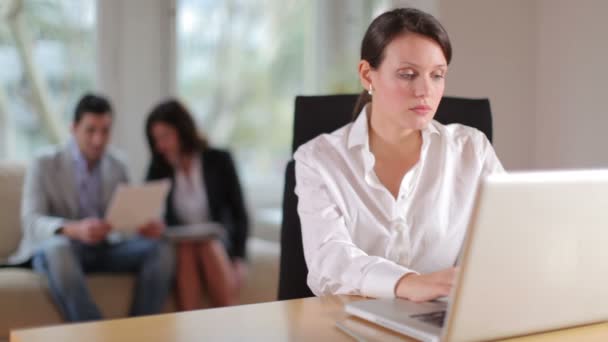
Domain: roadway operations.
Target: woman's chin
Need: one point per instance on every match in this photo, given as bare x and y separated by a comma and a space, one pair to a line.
417, 122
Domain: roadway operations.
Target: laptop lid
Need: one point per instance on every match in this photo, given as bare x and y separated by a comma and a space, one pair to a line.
535, 257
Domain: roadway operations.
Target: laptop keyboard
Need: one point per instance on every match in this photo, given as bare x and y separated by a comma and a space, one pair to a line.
434, 318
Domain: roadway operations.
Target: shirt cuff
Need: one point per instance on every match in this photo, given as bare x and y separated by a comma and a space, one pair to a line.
382, 279
54, 224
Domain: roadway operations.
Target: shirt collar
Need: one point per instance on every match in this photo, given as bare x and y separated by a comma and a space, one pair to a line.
358, 135
195, 169
79, 159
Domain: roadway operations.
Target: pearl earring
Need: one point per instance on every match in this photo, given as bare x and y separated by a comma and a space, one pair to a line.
371, 90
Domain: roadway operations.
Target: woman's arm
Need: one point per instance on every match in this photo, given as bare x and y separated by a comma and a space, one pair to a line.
240, 231
490, 162
335, 264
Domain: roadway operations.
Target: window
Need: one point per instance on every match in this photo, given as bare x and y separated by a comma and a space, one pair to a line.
47, 53
241, 63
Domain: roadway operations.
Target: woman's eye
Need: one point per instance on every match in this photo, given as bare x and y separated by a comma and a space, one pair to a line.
407, 75
438, 76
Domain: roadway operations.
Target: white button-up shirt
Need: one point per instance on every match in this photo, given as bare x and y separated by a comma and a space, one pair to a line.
358, 239
190, 196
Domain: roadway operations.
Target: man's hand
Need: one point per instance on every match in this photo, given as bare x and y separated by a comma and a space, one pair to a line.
89, 231
425, 287
152, 230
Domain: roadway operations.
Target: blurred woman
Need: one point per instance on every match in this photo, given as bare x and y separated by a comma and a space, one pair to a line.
205, 188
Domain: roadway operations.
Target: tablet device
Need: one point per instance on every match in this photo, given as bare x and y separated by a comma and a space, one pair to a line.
195, 232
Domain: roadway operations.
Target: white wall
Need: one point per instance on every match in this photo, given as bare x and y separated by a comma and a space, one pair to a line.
543, 65
494, 57
136, 68
572, 84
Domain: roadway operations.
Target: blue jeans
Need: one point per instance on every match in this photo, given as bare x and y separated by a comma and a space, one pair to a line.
65, 262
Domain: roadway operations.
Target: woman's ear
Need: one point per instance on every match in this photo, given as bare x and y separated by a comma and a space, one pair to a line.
365, 74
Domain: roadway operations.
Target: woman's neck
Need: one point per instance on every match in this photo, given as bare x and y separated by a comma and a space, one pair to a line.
185, 163
389, 140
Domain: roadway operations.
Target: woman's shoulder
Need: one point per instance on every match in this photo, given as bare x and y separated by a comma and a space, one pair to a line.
324, 145
459, 139
460, 134
158, 170
214, 153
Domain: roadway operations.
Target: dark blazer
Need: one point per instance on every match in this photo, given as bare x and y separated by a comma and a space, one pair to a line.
226, 204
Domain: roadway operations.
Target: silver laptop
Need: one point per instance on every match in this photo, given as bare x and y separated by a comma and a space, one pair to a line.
535, 259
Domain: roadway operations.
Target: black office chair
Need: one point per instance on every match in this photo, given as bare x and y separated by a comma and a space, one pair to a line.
315, 115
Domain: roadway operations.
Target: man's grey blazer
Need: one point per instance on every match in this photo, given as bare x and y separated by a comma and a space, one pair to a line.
50, 197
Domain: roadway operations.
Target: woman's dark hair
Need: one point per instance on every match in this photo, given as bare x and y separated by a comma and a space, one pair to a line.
388, 26
174, 114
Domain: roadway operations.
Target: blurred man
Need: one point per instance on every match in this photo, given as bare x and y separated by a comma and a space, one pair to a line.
65, 196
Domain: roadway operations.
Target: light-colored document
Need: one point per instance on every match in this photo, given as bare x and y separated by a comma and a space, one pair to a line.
135, 205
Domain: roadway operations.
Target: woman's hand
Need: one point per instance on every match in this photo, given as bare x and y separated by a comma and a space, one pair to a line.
240, 271
425, 287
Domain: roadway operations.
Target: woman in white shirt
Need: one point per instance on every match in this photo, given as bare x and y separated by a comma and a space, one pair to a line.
384, 201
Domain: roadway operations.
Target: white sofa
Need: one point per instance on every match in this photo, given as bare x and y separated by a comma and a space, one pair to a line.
24, 297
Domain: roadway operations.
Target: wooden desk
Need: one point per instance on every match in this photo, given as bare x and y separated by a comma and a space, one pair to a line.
307, 319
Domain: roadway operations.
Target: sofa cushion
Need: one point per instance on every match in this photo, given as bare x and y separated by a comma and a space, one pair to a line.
112, 293
11, 182
25, 301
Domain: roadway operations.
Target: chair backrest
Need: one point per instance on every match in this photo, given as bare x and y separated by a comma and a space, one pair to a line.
315, 115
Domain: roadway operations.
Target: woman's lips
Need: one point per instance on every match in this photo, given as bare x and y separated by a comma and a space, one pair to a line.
421, 110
